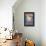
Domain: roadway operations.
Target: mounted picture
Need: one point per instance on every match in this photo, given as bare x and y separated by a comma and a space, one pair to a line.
28, 18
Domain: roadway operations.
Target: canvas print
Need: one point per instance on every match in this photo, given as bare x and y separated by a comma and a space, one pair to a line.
28, 18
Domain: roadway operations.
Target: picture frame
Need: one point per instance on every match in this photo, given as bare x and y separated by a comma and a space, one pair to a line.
29, 18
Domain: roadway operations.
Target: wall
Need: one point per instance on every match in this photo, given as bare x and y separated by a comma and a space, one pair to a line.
32, 33
6, 15
43, 22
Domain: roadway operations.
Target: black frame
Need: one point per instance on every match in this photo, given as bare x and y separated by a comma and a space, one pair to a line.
32, 21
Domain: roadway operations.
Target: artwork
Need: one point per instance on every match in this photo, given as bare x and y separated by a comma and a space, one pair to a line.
28, 18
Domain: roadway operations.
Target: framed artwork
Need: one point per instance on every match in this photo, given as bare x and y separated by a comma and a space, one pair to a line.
28, 18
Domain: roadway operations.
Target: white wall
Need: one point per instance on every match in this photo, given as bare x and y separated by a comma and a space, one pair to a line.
32, 33
43, 22
6, 13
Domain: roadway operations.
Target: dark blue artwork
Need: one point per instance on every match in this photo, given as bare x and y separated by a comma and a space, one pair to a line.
28, 18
